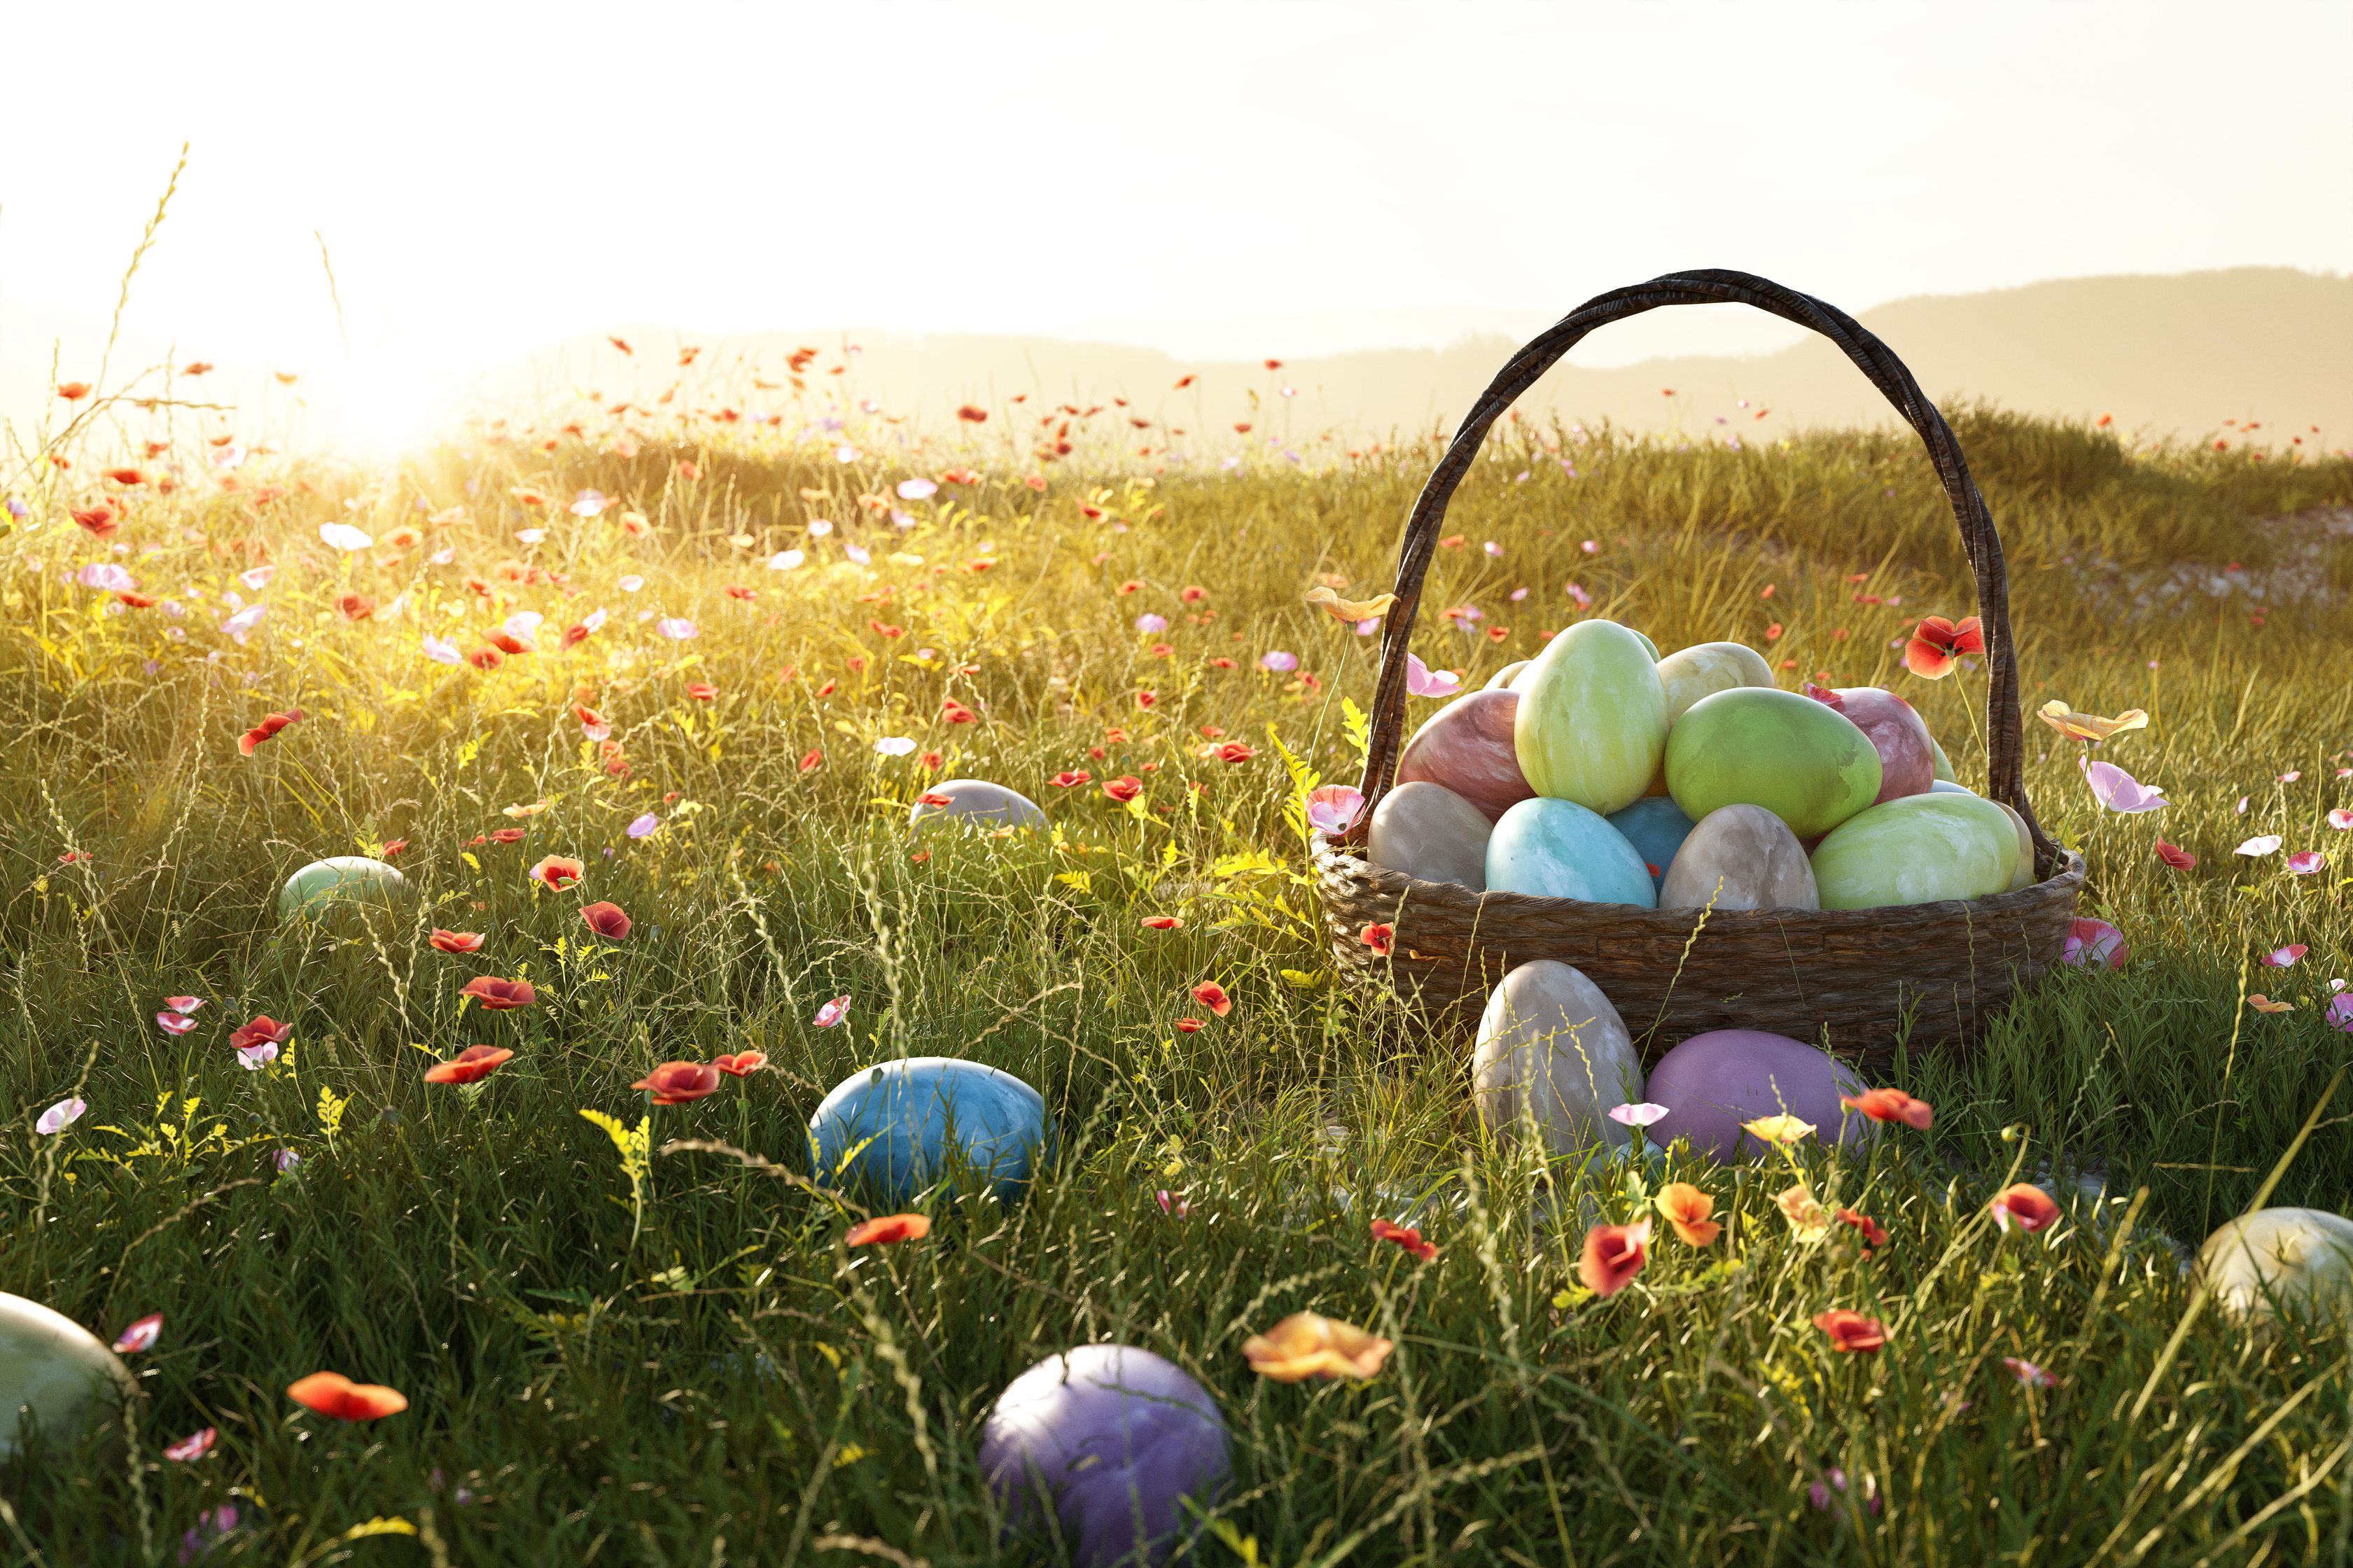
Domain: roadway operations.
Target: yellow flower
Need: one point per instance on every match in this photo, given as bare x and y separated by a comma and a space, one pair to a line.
1781, 1129
1306, 1345
2089, 726
1807, 1217
1687, 1208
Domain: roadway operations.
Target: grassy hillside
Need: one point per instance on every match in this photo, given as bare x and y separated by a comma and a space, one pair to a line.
693, 1368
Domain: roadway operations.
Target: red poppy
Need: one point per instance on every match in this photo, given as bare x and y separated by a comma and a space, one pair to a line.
355, 606
455, 941
1613, 1255
1146, 699
930, 759
1069, 780
1937, 642
1212, 995
471, 1065
136, 601
1891, 1105
1234, 751
333, 1394
972, 416
99, 520
506, 642
702, 690
811, 760
1190, 1026
959, 477
2173, 855
889, 1230
270, 724
576, 633
737, 590
1124, 789
1851, 1332
1872, 1236
392, 851
743, 1064
676, 1083
2028, 1207
606, 921
1379, 938
558, 872
498, 996
1405, 1236
73, 391
507, 835
485, 659
263, 1030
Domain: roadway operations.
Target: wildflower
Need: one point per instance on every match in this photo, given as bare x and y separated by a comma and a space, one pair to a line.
1873, 1234
1640, 1113
2307, 863
1937, 642
497, 996
2091, 942
455, 941
2089, 726
1613, 1255
333, 1394
2029, 1207
743, 1064
1212, 995
1808, 1220
1420, 681
270, 724
471, 1065
678, 1083
2284, 957
2119, 791
889, 1230
606, 921
1687, 1210
1333, 808
175, 1023
1405, 1236
263, 1030
1163, 922
832, 1013
1891, 1105
193, 1447
1851, 1332
140, 1335
2173, 855
60, 1116
1124, 789
1779, 1128
1069, 780
2027, 1372
1190, 1026
557, 871
2257, 848
1307, 1344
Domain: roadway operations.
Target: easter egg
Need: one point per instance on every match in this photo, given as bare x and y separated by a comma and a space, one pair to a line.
975, 801
1648, 646
1691, 673
1502, 680
1944, 762
1803, 761
1426, 830
1714, 1082
2295, 1258
1558, 849
1916, 850
1908, 758
54, 1371
1552, 1050
1947, 786
1467, 746
341, 885
1113, 1439
894, 1129
1655, 826
2022, 876
1592, 718
1740, 857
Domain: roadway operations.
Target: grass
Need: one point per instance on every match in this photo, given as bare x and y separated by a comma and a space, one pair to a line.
711, 1377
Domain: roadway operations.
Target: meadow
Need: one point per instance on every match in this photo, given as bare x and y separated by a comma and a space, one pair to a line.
643, 1339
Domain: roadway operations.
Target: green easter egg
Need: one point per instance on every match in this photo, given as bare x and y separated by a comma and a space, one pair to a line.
1801, 760
1918, 849
1592, 719
324, 888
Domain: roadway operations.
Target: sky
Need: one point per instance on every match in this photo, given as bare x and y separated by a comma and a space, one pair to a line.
489, 178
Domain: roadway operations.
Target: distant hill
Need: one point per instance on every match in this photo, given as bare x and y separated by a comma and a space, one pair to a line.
2168, 355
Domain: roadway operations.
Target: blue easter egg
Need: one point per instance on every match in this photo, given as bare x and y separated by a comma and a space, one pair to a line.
1559, 849
1656, 826
896, 1128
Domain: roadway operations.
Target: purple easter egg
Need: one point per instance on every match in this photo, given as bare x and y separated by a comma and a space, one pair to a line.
1908, 755
1112, 1437
1467, 746
1712, 1083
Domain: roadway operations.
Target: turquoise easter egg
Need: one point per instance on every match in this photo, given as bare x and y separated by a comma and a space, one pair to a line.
1947, 786
56, 1372
1944, 764
1592, 719
1656, 826
1707, 668
893, 1130
1916, 850
1801, 760
1558, 849
330, 887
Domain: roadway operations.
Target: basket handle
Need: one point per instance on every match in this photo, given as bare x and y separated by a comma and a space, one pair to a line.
1714, 285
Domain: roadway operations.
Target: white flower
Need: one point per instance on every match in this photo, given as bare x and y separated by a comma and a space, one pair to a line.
60, 1116
343, 536
894, 746
441, 652
786, 559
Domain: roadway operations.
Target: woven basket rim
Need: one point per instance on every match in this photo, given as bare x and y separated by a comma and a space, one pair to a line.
1337, 858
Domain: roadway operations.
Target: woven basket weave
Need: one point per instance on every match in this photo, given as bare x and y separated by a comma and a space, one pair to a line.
1856, 980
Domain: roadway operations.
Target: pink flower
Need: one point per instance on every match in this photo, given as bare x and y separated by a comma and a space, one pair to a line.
1279, 662
2027, 1372
1423, 681
1333, 808
175, 1023
2284, 957
2091, 942
2307, 862
193, 1447
2340, 819
2119, 790
140, 1335
1642, 1113
2340, 1012
832, 1013
184, 1003
2257, 848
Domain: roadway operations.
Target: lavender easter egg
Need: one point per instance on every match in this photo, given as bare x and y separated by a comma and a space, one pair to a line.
1111, 1439
1714, 1082
1558, 849
1592, 719
1702, 670
1916, 850
974, 802
894, 1129
1553, 1053
2292, 1257
1467, 746
1426, 830
1801, 760
1907, 753
56, 1372
1740, 857
1655, 826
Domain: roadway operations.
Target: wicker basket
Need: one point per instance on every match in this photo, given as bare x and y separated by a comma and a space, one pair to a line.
1859, 980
